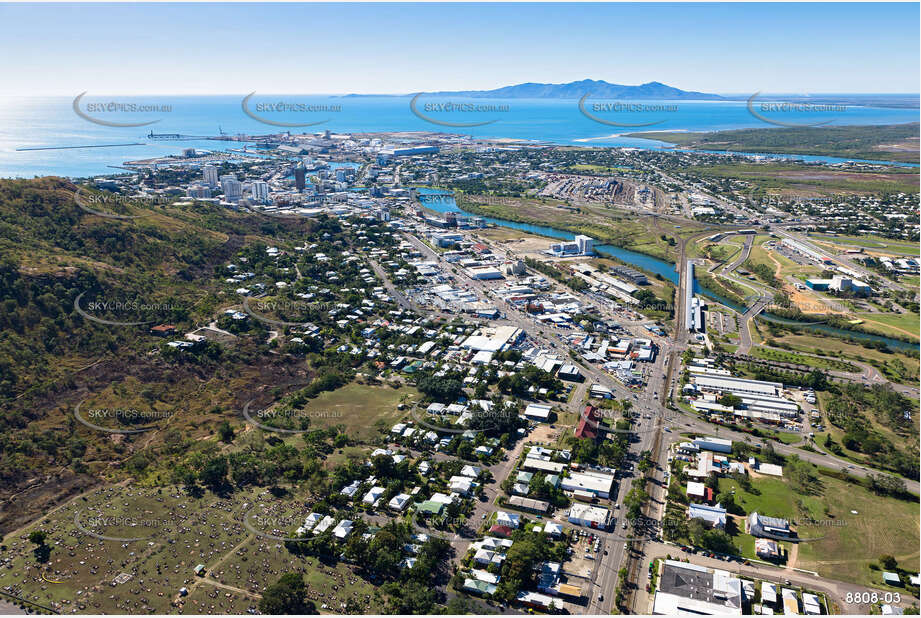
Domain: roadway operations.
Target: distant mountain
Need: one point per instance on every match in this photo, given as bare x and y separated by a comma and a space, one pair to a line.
598, 89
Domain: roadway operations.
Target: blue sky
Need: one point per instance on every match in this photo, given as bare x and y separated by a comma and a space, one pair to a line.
65, 49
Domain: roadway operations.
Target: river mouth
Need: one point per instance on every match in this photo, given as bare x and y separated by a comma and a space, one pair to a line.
446, 203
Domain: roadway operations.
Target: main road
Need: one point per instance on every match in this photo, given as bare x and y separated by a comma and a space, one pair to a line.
652, 417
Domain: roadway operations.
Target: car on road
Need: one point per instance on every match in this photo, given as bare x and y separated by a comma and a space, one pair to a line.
600, 598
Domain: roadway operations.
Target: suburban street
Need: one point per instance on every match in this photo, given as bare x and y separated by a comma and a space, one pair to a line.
652, 420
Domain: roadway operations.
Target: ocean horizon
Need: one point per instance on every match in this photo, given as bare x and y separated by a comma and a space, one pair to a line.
77, 146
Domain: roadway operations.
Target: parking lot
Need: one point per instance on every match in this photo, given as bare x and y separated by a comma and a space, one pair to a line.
585, 553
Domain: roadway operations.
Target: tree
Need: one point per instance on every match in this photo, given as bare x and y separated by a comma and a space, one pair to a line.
441, 389
728, 399
214, 473
728, 501
889, 562
286, 596
38, 537
718, 541
769, 455
225, 432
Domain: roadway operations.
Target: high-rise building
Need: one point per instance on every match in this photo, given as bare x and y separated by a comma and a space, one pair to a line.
586, 244
199, 191
210, 175
233, 188
300, 176
261, 191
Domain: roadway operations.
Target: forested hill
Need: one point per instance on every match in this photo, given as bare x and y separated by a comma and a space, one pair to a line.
161, 266
895, 142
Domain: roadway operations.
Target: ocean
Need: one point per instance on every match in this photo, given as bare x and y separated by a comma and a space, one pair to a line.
52, 123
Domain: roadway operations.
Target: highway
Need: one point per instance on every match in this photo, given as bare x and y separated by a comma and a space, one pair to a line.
647, 402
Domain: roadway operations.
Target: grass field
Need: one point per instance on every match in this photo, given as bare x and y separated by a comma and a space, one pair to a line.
897, 142
178, 533
793, 179
876, 243
844, 542
907, 373
837, 434
771, 259
363, 409
900, 323
604, 223
784, 356
911, 282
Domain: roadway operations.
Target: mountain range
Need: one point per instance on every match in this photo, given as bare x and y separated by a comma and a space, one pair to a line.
575, 90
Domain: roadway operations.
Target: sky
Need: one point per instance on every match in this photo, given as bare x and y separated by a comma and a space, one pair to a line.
66, 49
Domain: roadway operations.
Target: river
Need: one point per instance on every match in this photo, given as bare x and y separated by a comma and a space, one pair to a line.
445, 203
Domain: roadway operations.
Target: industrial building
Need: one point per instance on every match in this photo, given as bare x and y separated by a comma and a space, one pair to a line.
690, 589
630, 273
580, 245
839, 283
407, 151
529, 504
693, 308
598, 484
720, 445
590, 516
484, 273
495, 339
538, 412
737, 386
539, 465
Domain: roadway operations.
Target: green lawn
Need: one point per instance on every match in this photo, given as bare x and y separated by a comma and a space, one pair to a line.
363, 409
884, 245
849, 527
900, 321
832, 346
784, 356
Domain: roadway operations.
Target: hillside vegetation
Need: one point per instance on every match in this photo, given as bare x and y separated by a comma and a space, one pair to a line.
894, 142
